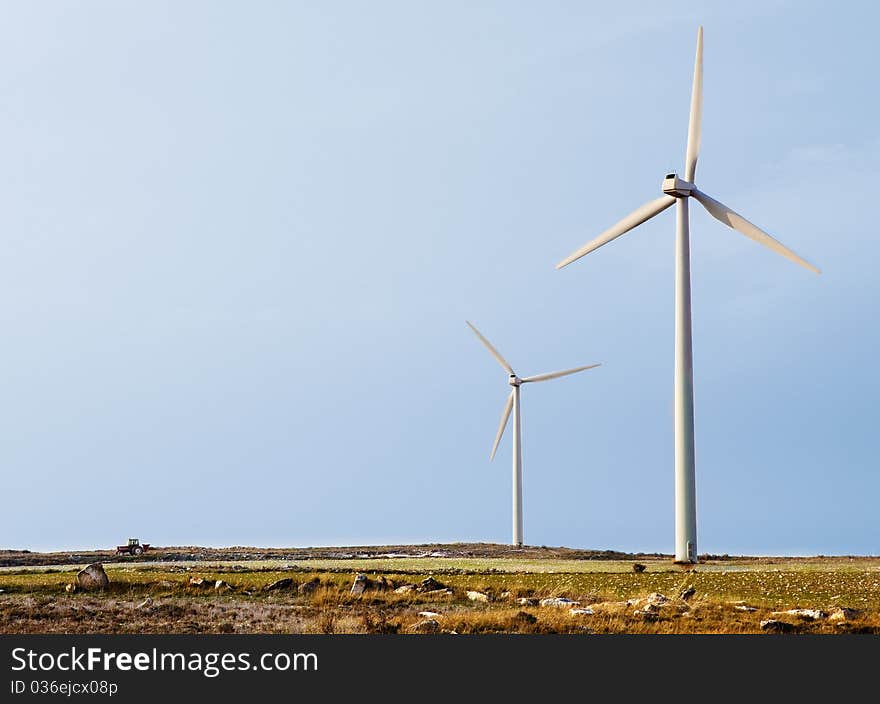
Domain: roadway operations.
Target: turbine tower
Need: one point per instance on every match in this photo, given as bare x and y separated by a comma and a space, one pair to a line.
677, 190
514, 404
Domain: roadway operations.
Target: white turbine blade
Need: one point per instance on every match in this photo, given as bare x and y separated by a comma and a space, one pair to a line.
736, 221
634, 219
505, 414
696, 117
556, 375
492, 350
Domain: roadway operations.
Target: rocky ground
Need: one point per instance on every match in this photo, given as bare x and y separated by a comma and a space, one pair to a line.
469, 589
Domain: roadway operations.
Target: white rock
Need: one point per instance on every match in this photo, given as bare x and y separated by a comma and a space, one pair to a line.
744, 607
657, 599
428, 614
559, 602
843, 614
581, 612
478, 596
806, 614
527, 601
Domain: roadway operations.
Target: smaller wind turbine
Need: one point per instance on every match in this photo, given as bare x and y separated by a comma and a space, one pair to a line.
513, 403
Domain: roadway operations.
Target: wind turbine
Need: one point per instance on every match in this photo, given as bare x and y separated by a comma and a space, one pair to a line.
678, 191
513, 403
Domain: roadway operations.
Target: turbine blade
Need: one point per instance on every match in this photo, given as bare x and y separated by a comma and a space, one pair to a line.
556, 375
696, 117
736, 221
505, 414
492, 350
634, 219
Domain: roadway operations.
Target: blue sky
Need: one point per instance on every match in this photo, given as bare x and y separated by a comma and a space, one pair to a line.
240, 242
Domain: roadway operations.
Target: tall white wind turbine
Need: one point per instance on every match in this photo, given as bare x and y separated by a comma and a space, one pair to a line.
678, 191
514, 404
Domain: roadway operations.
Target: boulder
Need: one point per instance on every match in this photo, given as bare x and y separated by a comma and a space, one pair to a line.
581, 612
309, 587
197, 582
771, 625
638, 567
405, 589
145, 603
429, 625
559, 602
92, 577
428, 614
438, 593
478, 596
527, 601
360, 585
656, 599
283, 583
382, 584
745, 607
805, 614
686, 593
221, 586
842, 614
429, 584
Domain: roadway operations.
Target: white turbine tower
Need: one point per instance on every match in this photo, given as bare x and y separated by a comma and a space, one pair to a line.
677, 190
513, 403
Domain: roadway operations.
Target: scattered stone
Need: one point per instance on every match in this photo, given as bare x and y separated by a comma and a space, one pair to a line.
648, 614
405, 589
806, 614
92, 577
428, 614
221, 586
638, 567
525, 617
70, 588
503, 595
478, 596
687, 593
361, 584
145, 603
745, 607
283, 583
527, 601
429, 625
310, 586
559, 602
656, 599
842, 614
581, 612
196, 582
429, 584
773, 626
633, 602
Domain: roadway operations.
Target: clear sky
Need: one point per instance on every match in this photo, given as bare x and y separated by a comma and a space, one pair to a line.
240, 242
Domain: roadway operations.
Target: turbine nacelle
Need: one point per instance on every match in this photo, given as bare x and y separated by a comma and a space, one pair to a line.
514, 380
677, 187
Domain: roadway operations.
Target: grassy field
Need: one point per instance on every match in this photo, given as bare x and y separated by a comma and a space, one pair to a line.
728, 596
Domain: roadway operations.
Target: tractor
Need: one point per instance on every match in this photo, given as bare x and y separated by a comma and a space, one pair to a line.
134, 547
